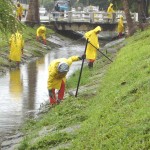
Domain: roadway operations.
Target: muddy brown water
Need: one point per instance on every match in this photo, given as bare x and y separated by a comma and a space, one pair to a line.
23, 90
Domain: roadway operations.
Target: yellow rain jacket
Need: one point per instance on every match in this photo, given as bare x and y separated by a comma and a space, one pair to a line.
41, 31
110, 10
120, 25
54, 77
19, 10
16, 45
92, 37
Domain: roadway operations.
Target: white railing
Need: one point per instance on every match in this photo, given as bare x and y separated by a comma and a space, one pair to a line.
92, 17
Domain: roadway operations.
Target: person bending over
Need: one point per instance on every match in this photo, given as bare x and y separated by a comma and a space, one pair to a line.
57, 72
41, 32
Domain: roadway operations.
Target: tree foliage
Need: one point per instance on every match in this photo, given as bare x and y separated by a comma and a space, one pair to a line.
103, 4
8, 21
133, 5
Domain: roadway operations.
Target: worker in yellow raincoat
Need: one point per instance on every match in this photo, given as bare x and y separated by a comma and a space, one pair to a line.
16, 47
120, 28
91, 50
110, 11
19, 11
41, 32
58, 70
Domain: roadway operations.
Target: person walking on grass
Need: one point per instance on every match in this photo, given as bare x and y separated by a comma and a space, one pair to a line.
41, 33
57, 72
16, 43
120, 28
92, 46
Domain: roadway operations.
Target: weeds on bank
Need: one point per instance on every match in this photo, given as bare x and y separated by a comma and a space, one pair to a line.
31, 47
28, 34
117, 117
71, 112
87, 74
68, 113
119, 114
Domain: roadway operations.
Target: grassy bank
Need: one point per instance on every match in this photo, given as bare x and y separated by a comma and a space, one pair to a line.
114, 114
32, 48
119, 114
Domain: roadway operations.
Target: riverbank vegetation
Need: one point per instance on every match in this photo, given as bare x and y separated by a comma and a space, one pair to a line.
32, 48
112, 112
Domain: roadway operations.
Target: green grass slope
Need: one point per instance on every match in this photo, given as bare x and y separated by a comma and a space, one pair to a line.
120, 113
114, 115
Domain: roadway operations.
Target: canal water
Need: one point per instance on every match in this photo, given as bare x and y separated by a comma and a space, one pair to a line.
23, 90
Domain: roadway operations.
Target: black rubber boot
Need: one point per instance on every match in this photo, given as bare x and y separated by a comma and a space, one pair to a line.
90, 65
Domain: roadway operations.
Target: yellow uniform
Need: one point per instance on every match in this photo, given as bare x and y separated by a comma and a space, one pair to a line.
91, 52
41, 32
16, 47
19, 11
55, 78
120, 25
110, 10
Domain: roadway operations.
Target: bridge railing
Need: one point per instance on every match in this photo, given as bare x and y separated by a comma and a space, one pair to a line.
92, 17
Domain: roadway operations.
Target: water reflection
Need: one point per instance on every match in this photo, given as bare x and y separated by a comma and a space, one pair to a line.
29, 93
23, 90
16, 84
40, 61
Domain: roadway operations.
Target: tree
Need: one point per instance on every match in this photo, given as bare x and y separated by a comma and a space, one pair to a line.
146, 7
130, 24
141, 14
33, 13
8, 21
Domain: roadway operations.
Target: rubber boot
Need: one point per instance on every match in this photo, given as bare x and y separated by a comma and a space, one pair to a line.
44, 41
90, 65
